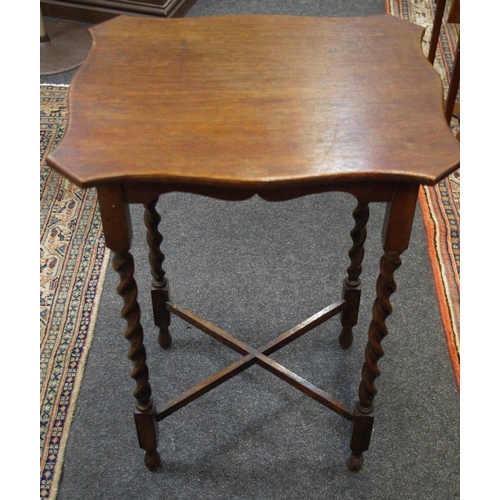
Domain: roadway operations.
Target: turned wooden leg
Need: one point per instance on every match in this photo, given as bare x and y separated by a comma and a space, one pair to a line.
118, 236
159, 292
361, 431
436, 29
396, 236
454, 86
351, 291
147, 431
363, 421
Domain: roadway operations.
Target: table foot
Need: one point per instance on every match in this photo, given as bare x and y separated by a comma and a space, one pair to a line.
152, 460
147, 433
346, 337
164, 338
355, 461
361, 433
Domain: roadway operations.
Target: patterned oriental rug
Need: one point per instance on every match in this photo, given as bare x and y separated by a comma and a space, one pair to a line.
73, 260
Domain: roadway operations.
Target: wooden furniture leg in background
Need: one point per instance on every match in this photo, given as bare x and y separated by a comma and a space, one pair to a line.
118, 235
351, 291
436, 29
453, 18
396, 237
451, 100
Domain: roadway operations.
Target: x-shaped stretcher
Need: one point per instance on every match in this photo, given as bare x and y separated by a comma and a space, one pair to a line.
259, 356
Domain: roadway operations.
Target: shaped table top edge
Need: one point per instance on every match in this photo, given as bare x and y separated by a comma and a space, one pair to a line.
69, 153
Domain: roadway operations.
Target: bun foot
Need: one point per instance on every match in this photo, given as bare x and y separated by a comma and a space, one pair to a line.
152, 460
355, 461
164, 338
345, 337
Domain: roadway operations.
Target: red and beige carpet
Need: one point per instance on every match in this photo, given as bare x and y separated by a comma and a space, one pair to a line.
441, 204
73, 261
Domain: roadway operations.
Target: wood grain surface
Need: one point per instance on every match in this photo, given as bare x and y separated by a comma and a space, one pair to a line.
256, 101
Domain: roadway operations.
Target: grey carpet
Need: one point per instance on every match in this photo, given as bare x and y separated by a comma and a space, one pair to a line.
255, 269
290, 7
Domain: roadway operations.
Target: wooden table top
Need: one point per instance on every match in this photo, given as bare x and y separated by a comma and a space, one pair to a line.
255, 101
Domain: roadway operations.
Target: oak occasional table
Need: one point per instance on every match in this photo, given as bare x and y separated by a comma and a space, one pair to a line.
274, 106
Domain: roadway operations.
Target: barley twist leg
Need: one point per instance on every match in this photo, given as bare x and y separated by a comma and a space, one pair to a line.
382, 308
351, 291
396, 231
146, 425
159, 292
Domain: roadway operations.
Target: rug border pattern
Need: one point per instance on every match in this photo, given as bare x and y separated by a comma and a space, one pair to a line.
71, 239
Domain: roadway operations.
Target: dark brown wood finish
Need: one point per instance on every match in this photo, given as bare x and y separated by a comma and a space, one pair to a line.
454, 86
351, 291
436, 28
258, 356
274, 106
256, 102
118, 237
159, 292
395, 239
